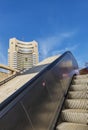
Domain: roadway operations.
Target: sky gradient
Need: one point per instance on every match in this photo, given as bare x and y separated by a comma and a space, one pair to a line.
57, 26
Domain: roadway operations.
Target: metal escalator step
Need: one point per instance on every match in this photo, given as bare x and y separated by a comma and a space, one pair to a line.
71, 126
75, 115
81, 76
80, 81
78, 87
76, 104
77, 95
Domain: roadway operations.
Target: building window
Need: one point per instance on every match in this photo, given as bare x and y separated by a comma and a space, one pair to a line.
26, 59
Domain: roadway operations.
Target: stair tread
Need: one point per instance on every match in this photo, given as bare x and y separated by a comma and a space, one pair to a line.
81, 76
78, 87
75, 110
77, 94
76, 103
71, 126
75, 115
80, 81
76, 99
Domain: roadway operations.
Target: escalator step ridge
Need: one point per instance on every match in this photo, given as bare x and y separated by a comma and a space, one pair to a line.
81, 81
77, 95
79, 87
75, 115
76, 104
81, 76
71, 126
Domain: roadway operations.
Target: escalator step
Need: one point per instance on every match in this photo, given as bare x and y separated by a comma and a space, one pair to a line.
76, 104
78, 87
81, 76
77, 94
71, 126
80, 81
75, 115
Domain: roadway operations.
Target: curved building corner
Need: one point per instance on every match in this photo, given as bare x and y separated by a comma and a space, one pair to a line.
22, 55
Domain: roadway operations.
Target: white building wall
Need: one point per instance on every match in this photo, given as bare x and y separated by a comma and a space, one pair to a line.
21, 54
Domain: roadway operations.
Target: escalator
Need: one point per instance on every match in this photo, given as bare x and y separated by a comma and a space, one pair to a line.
52, 100
74, 115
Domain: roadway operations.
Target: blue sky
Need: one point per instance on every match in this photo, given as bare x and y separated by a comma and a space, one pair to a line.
57, 25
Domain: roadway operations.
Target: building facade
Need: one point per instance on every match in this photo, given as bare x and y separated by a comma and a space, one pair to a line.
22, 55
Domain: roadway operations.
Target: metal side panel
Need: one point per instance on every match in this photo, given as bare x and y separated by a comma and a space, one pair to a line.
36, 106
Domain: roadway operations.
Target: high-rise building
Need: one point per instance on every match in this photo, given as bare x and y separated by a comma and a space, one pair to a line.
22, 55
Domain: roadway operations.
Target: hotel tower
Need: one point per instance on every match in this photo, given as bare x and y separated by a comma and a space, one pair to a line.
22, 55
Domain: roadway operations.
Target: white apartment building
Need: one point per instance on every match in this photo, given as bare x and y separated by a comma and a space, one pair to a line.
22, 55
